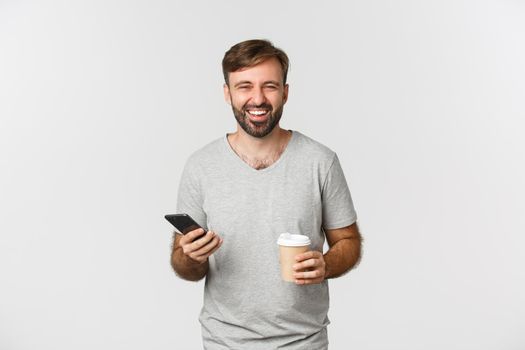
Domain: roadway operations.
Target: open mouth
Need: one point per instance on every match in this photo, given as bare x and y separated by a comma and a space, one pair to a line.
258, 114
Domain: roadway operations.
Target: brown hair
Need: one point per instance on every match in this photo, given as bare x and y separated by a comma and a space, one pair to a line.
250, 53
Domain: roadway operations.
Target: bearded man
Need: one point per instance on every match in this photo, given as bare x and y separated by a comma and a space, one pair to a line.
246, 188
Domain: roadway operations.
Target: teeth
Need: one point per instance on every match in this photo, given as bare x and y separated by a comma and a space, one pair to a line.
257, 112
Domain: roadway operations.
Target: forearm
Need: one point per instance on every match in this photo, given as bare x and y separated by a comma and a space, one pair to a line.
342, 257
184, 266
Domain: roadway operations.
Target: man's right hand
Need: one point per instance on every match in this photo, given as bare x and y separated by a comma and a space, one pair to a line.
201, 248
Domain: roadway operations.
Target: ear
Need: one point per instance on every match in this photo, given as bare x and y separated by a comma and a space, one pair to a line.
227, 96
285, 93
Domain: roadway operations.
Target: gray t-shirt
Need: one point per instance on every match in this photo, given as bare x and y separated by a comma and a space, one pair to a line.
246, 304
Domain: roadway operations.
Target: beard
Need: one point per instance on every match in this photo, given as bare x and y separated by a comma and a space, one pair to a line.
258, 129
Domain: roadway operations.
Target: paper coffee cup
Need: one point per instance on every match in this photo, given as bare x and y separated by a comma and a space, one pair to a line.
291, 245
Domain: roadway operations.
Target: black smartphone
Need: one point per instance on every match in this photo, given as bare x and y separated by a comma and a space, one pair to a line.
183, 222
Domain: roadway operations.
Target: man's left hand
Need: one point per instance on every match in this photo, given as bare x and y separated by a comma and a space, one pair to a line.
310, 268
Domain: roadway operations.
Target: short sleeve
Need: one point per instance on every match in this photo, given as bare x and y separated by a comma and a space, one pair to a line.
190, 197
338, 207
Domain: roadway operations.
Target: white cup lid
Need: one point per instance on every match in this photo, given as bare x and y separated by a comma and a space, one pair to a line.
292, 240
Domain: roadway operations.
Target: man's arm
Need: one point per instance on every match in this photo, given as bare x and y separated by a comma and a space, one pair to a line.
345, 250
344, 253
189, 256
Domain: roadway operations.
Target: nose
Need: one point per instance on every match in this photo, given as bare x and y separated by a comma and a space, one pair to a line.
258, 96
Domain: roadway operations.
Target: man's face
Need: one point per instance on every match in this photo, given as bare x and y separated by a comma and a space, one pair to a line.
257, 96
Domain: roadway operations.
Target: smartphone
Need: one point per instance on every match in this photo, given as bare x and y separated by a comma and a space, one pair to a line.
183, 222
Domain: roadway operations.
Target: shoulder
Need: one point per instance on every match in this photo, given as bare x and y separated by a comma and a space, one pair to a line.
314, 150
209, 153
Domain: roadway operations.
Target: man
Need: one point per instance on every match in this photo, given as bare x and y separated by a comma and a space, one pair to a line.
247, 188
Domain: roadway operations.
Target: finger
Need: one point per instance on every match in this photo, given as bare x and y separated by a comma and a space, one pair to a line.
204, 257
309, 281
198, 243
190, 236
197, 259
208, 247
306, 264
314, 274
307, 255
212, 251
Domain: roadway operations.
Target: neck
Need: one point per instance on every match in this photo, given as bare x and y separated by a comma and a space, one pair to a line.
260, 148
260, 153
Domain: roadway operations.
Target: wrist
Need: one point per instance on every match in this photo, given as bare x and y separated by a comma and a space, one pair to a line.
326, 267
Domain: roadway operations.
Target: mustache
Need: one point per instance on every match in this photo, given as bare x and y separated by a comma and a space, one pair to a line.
261, 106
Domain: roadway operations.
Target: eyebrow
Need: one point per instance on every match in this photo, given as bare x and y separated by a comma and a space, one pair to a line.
265, 83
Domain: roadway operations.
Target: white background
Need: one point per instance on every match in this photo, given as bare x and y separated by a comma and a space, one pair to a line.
101, 103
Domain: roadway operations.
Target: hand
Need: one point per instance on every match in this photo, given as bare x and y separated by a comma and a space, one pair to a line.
310, 268
200, 249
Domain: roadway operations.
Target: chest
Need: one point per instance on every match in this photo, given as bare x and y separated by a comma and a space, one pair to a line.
264, 205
